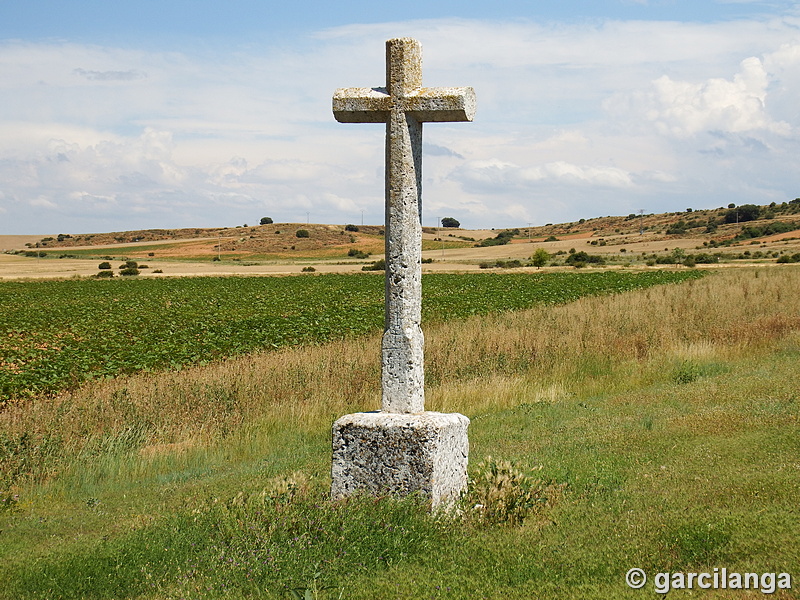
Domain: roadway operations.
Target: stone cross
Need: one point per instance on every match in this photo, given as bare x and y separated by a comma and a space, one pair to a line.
403, 105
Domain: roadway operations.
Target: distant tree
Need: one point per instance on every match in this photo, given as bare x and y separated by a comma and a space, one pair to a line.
450, 222
744, 213
266, 221
540, 258
351, 227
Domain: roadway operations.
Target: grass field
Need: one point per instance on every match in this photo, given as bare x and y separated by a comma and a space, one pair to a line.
656, 428
57, 334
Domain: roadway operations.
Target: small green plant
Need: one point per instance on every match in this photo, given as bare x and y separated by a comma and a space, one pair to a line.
104, 265
309, 269
540, 258
129, 271
302, 233
350, 228
104, 274
355, 253
500, 493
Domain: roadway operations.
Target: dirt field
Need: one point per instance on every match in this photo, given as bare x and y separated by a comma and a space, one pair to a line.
275, 249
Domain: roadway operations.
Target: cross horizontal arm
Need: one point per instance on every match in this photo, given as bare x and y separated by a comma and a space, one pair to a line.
361, 105
372, 105
441, 104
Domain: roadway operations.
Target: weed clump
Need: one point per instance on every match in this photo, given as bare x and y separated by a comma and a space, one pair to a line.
501, 493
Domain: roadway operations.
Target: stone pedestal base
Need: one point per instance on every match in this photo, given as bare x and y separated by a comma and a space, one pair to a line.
389, 453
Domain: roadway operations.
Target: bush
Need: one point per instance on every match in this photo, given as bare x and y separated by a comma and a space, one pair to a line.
746, 212
266, 221
378, 265
302, 233
500, 493
309, 269
129, 264
502, 238
355, 253
350, 228
104, 265
677, 228
129, 271
749, 232
581, 259
103, 274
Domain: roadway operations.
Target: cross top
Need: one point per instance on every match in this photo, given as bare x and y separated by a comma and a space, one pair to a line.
403, 105
403, 92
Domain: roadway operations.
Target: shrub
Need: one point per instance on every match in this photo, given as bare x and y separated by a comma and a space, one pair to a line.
500, 493
378, 265
266, 221
104, 274
302, 233
502, 238
104, 265
309, 269
746, 212
129, 264
350, 228
129, 271
677, 228
581, 259
355, 253
540, 258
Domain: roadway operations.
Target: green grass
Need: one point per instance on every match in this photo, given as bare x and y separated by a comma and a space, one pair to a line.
676, 476
54, 335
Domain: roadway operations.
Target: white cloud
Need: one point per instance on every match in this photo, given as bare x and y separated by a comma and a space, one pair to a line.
683, 108
573, 121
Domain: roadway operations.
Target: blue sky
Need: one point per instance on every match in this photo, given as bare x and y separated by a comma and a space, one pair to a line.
123, 115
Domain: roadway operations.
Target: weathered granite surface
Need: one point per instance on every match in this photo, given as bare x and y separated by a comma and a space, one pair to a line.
402, 449
380, 453
403, 105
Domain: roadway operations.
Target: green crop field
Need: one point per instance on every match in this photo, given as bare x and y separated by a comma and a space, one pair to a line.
56, 334
653, 429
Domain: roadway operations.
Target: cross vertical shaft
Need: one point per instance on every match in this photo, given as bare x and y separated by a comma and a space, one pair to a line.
403, 105
402, 376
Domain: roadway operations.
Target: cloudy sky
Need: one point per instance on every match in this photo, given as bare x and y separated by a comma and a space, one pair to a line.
192, 113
